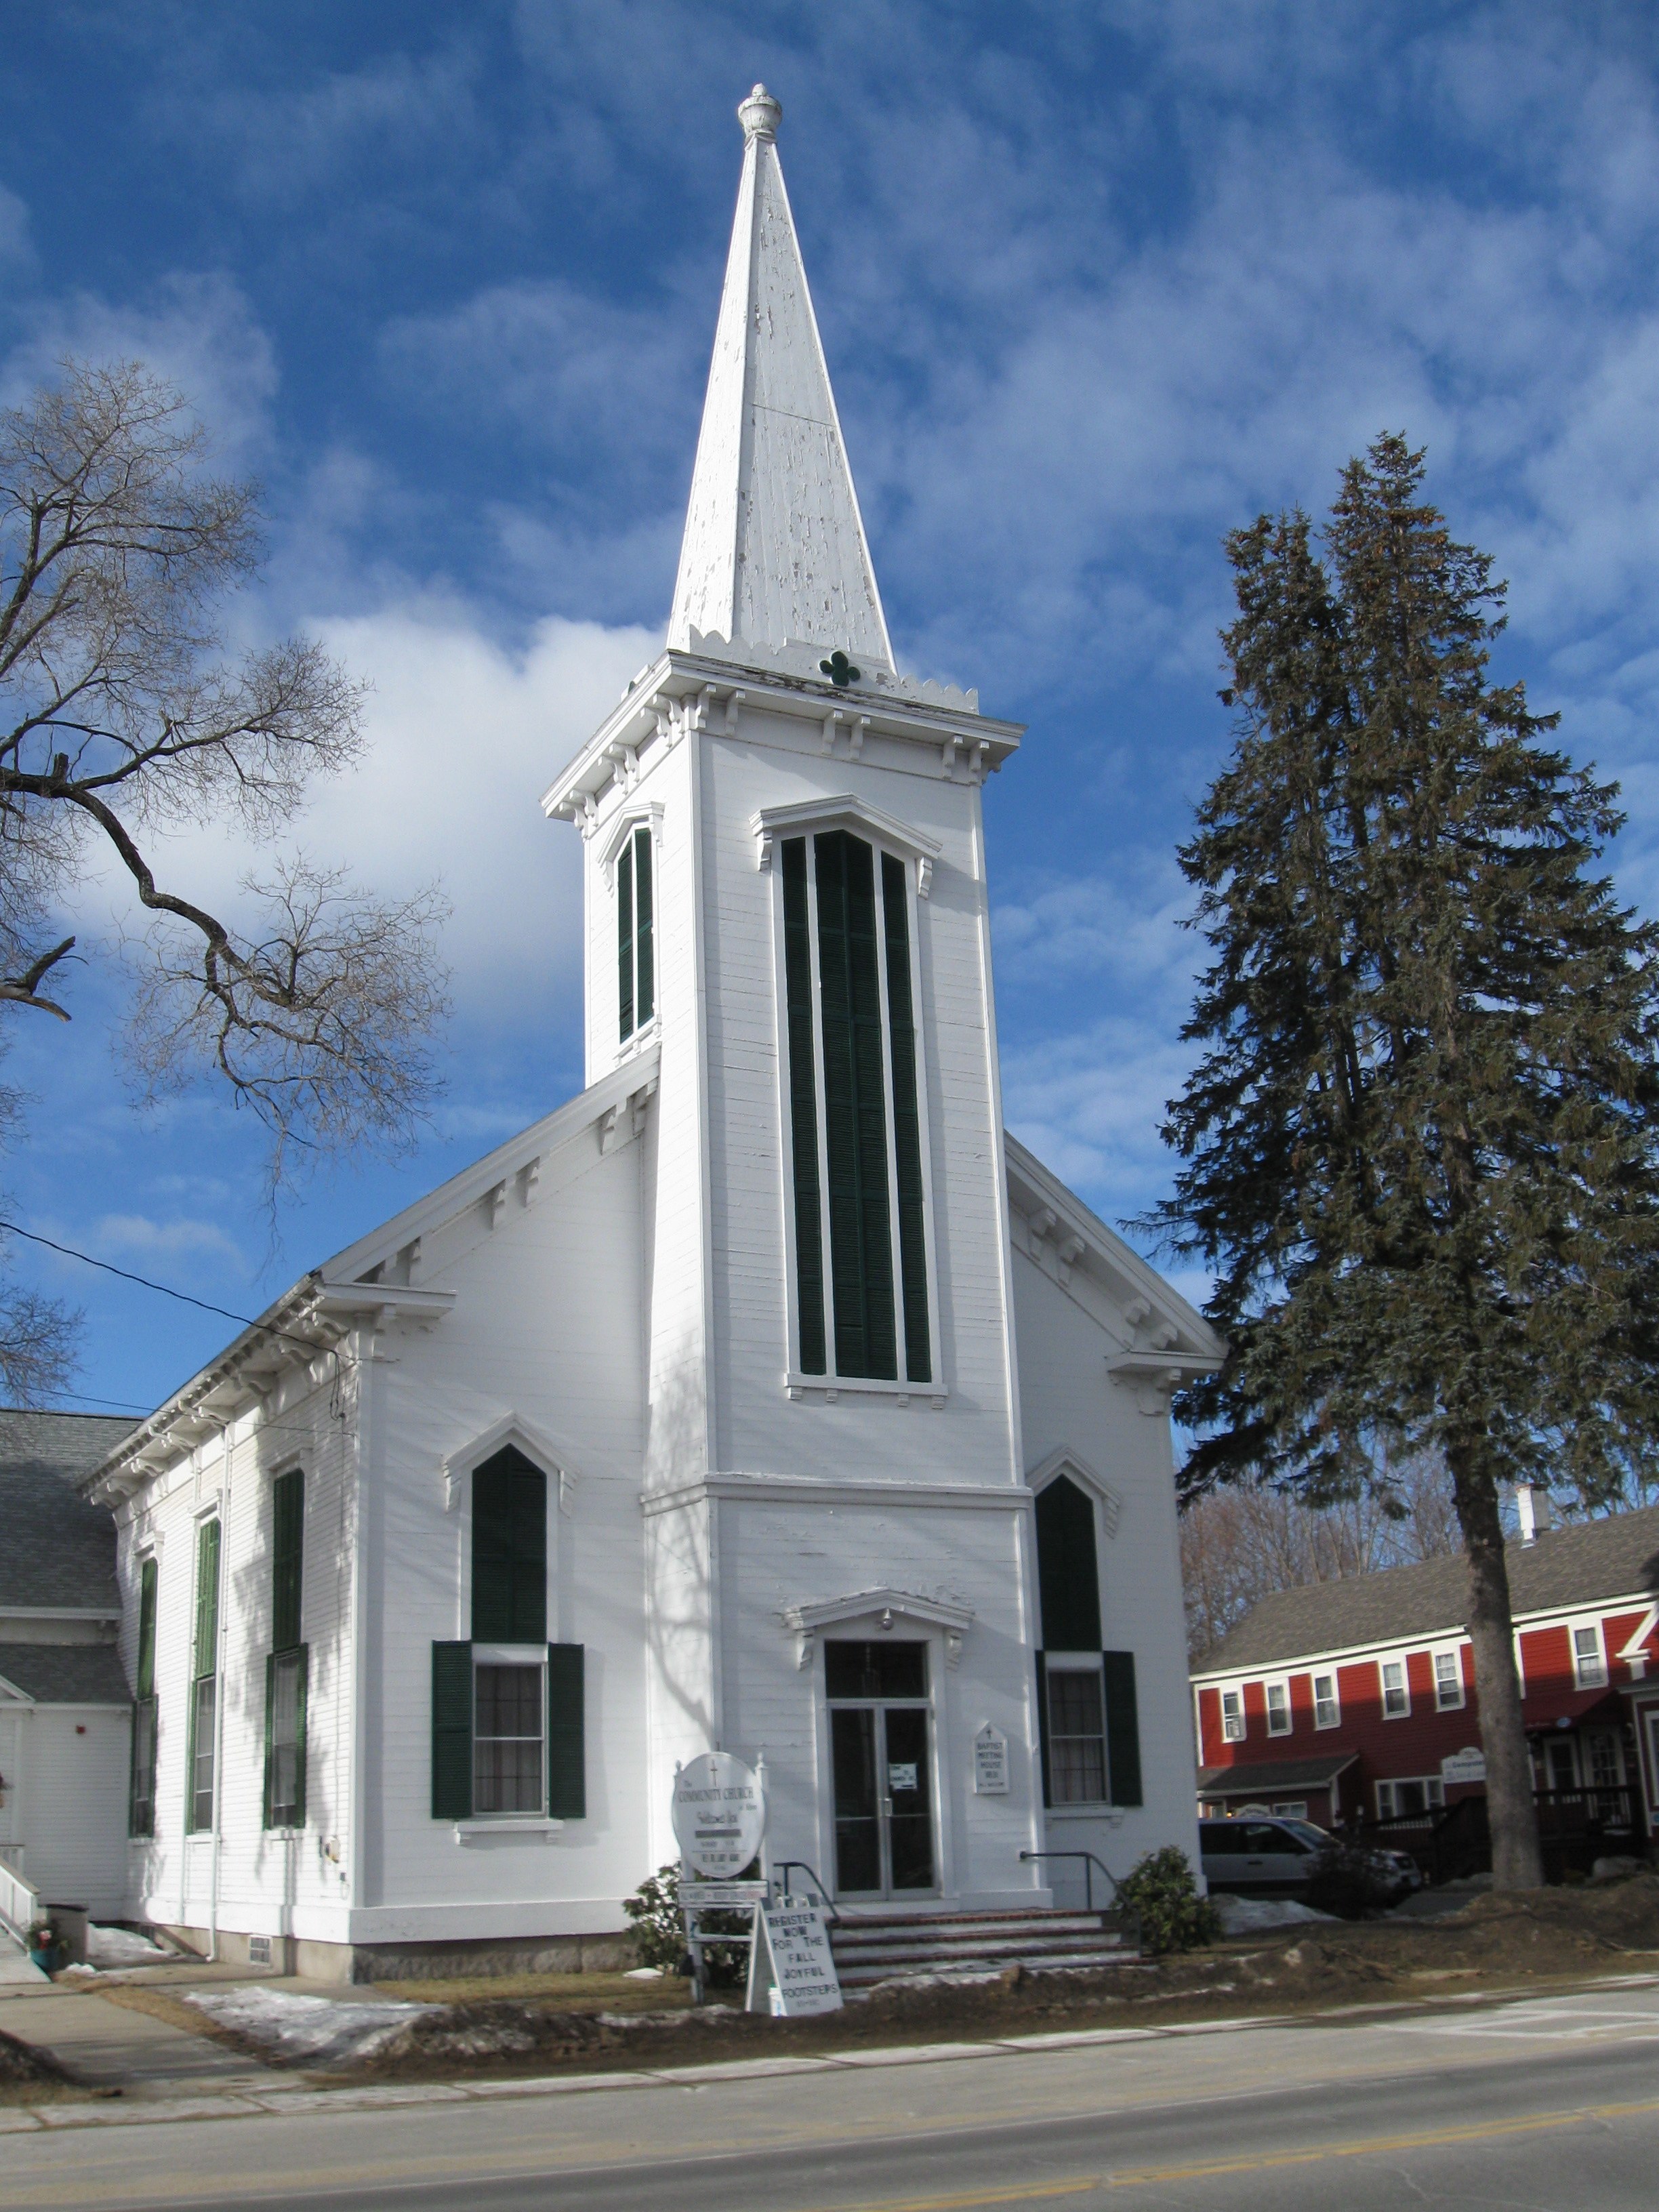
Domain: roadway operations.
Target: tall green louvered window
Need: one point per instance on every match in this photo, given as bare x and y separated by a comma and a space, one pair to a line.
1088, 1718
204, 1679
287, 1662
636, 981
855, 1112
141, 1797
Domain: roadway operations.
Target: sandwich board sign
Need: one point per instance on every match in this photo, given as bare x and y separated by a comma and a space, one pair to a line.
791, 1970
720, 1815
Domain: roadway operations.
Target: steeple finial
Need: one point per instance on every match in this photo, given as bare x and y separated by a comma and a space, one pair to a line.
773, 553
759, 114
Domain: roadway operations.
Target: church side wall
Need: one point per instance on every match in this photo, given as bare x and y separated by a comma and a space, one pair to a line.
546, 1325
1068, 1401
271, 1883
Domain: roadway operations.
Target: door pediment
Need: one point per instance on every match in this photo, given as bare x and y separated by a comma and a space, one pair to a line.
887, 1607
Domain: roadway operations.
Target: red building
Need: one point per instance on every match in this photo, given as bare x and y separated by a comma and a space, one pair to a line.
1357, 1699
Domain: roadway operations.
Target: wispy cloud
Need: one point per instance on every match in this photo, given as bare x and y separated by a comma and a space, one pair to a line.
135, 1235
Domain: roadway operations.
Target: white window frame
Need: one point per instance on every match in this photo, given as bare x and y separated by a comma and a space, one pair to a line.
1434, 1793
1458, 1696
648, 817
1278, 1686
1235, 1726
510, 1655
1079, 1663
1385, 1690
1334, 1701
916, 855
1590, 1671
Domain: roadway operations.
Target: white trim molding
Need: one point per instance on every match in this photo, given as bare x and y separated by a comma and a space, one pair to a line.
536, 1444
846, 812
1068, 1462
806, 1622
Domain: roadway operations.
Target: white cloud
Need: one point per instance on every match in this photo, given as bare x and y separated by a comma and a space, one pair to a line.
135, 1234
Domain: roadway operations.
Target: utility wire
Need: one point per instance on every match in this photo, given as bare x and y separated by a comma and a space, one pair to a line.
10, 1228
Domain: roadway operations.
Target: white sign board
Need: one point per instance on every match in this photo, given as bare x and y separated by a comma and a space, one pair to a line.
1468, 1765
990, 1762
720, 1815
722, 1896
791, 1961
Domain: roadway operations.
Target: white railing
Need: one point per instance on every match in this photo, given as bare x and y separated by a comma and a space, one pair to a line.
20, 1903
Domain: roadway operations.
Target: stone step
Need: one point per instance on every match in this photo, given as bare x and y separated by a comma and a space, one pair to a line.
1010, 1947
867, 1977
988, 1923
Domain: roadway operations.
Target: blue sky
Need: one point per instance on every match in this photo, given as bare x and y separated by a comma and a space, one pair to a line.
1096, 282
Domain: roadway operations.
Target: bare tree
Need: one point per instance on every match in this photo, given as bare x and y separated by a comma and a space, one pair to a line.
122, 718
37, 1334
1240, 1543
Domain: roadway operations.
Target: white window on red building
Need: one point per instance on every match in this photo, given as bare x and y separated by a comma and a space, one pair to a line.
1448, 1681
1589, 1660
1232, 1715
1279, 1707
1409, 1793
1328, 1706
1396, 1698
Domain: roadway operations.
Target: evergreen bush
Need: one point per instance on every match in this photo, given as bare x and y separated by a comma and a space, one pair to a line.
1159, 1889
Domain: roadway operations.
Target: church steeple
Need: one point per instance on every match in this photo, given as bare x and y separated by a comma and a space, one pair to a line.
774, 550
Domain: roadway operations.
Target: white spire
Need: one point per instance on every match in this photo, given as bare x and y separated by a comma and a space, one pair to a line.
774, 550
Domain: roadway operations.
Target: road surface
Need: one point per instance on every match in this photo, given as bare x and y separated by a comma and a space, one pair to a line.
1538, 2103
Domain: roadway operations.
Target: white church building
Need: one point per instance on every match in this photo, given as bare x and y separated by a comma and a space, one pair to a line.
767, 1397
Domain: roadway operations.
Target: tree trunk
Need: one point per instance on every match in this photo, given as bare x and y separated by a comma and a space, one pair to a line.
1517, 1861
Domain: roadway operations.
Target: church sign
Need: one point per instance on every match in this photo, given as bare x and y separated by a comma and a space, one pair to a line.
990, 1762
791, 1970
720, 1815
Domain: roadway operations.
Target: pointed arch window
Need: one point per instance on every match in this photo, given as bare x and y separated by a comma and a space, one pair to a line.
636, 948
858, 1173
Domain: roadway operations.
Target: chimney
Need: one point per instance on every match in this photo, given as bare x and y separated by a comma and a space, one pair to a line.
1533, 1506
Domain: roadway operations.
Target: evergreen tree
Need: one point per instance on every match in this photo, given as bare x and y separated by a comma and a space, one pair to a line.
1421, 1150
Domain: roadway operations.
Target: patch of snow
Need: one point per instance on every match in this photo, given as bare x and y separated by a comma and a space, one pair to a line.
1242, 1916
327, 2030
643, 1974
124, 1946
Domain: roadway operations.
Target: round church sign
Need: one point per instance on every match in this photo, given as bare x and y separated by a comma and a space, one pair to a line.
720, 1815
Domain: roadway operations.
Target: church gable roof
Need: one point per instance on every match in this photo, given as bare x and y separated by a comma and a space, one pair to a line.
775, 550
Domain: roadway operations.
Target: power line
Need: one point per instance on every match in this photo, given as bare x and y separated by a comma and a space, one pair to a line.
166, 1291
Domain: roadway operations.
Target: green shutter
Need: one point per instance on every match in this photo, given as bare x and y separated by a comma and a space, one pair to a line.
147, 1629
625, 941
1068, 1574
286, 1556
1122, 1729
270, 1735
1043, 1722
451, 1731
907, 1129
644, 992
567, 1753
141, 1782
854, 1108
803, 1108
207, 1599
509, 1551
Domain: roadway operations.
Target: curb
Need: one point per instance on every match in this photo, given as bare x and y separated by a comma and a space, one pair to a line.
279, 2100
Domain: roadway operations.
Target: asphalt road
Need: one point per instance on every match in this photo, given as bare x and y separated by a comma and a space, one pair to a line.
1539, 2104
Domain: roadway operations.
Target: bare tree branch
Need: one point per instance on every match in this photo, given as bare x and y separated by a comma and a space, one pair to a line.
119, 717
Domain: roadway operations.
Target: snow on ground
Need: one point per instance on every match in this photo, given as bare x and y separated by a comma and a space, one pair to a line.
108, 1948
1242, 1916
323, 2029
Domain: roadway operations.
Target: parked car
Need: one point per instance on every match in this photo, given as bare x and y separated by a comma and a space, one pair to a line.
1284, 1857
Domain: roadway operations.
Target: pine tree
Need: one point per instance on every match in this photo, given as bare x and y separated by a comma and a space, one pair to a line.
1421, 1149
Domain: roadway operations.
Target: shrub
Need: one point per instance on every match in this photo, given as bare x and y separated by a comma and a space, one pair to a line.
1160, 1891
658, 1931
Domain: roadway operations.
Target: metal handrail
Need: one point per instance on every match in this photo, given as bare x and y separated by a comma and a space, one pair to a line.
1090, 1864
785, 1868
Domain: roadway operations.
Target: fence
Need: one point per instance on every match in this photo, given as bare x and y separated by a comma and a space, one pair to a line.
1575, 1828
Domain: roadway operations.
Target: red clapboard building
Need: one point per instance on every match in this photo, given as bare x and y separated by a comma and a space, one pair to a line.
1355, 1701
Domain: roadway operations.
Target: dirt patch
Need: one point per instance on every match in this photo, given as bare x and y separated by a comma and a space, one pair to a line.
1500, 1943
575, 1993
27, 2074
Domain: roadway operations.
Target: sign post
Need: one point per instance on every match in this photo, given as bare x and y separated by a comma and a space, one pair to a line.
720, 1818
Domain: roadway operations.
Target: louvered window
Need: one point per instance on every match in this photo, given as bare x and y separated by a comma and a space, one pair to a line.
861, 1288
287, 1664
205, 1680
637, 956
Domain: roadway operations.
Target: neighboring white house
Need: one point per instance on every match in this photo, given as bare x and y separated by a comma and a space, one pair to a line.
64, 1704
764, 1397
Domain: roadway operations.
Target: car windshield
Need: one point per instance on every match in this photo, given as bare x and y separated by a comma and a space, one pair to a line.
1308, 1833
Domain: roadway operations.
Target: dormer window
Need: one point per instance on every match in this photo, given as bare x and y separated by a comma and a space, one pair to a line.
636, 981
855, 1117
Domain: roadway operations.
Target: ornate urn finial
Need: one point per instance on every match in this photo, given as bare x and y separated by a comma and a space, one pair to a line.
759, 114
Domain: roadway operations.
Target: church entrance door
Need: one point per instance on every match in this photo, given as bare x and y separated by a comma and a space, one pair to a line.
881, 1758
